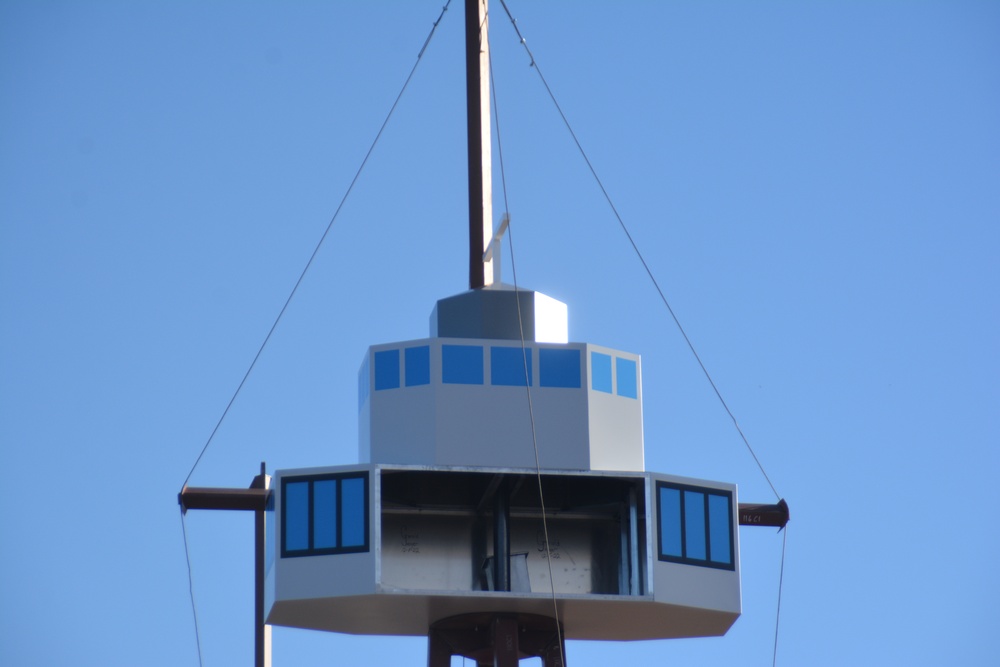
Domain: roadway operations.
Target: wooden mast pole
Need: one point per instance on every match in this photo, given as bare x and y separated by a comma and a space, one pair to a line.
477, 83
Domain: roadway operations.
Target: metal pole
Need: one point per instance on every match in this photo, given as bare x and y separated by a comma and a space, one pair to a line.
477, 84
262, 631
255, 499
757, 514
633, 549
501, 538
505, 644
207, 498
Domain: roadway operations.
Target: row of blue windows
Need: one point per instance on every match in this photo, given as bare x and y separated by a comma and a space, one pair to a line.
464, 364
509, 366
696, 525
324, 514
626, 372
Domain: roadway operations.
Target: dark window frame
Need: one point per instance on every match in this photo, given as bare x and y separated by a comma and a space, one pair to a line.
339, 549
682, 516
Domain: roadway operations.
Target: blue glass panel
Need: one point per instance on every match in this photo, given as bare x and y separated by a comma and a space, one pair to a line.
694, 525
670, 522
600, 372
462, 364
507, 366
296, 526
352, 495
386, 369
628, 384
325, 514
719, 532
559, 368
418, 365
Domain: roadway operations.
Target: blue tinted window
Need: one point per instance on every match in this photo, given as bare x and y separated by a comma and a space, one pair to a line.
508, 364
296, 508
695, 525
325, 514
719, 520
418, 365
559, 368
386, 369
353, 496
628, 384
670, 520
600, 372
462, 364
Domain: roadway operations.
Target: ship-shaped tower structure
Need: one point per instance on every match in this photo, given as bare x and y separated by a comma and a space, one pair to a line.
500, 502
502, 475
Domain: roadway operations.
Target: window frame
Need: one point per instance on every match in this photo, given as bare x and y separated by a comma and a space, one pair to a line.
339, 548
706, 492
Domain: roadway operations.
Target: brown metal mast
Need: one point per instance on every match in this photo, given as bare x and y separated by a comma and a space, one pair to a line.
477, 82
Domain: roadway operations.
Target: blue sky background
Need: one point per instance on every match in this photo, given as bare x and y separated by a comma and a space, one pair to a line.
816, 186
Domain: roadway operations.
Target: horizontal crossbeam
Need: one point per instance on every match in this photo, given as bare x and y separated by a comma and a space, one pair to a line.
756, 514
204, 498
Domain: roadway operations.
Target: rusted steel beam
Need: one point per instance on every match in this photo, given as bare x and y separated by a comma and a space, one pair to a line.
757, 514
205, 498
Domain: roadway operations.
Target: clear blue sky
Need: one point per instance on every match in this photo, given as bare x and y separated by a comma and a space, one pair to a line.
816, 186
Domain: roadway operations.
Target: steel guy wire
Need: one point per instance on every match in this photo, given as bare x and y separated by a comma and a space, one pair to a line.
635, 248
319, 244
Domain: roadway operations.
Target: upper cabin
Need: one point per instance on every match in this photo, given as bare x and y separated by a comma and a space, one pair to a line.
459, 397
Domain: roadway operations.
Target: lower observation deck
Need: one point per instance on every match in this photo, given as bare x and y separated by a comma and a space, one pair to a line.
379, 549
408, 612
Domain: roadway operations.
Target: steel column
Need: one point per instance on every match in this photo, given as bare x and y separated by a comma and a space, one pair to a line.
501, 538
495, 640
477, 84
262, 631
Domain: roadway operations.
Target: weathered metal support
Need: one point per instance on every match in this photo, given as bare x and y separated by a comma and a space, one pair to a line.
254, 499
501, 538
477, 83
495, 640
262, 633
505, 644
757, 514
633, 551
206, 498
